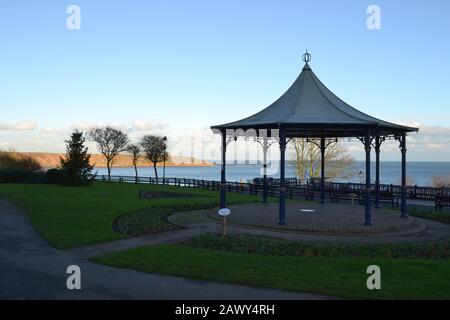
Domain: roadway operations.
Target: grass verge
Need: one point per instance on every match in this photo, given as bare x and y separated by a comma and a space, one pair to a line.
275, 247
74, 216
342, 277
437, 216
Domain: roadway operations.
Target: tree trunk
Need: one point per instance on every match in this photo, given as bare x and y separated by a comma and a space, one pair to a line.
136, 173
108, 165
156, 172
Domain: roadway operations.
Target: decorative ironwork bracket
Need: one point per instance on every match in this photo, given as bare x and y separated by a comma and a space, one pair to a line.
327, 144
288, 140
374, 145
401, 146
227, 141
260, 140
362, 139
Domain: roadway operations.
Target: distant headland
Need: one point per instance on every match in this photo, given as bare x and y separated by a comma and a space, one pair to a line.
51, 160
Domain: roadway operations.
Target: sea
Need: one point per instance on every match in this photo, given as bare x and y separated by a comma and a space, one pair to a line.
418, 173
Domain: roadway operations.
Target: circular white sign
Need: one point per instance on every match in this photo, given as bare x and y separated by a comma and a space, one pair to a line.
224, 212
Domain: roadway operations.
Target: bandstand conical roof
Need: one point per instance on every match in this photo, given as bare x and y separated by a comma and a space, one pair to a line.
309, 109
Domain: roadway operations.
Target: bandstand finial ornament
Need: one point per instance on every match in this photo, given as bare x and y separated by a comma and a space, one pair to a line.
306, 56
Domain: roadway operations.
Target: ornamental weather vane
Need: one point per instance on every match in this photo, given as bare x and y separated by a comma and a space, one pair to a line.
306, 56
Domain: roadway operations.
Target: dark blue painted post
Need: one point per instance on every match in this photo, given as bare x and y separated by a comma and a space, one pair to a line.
282, 213
403, 191
377, 172
265, 169
322, 170
264, 200
368, 205
223, 200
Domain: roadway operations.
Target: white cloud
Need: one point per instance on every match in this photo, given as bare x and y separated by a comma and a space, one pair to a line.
5, 146
430, 143
49, 130
19, 126
354, 148
83, 125
431, 135
133, 126
436, 146
148, 125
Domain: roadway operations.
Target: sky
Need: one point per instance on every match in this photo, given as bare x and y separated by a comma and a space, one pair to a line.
175, 68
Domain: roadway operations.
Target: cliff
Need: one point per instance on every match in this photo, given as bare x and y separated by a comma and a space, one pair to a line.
51, 160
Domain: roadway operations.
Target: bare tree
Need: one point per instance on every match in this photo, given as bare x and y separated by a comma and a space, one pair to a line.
339, 164
409, 181
301, 156
110, 142
154, 148
440, 181
307, 159
135, 151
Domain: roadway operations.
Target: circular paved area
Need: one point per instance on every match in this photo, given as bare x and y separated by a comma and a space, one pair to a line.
202, 220
198, 222
325, 218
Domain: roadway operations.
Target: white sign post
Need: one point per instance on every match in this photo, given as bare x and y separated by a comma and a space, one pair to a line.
224, 212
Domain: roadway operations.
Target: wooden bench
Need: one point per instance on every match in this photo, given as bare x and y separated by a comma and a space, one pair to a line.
389, 197
297, 192
385, 197
340, 193
332, 193
441, 201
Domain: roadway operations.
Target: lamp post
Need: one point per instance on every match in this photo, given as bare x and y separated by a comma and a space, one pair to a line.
164, 160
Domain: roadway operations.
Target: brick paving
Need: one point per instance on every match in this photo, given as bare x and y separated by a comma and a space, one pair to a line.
317, 217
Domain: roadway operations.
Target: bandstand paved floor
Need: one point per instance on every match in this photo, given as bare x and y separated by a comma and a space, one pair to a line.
317, 217
329, 223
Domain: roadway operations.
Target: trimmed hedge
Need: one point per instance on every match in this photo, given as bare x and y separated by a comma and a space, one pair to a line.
54, 176
15, 175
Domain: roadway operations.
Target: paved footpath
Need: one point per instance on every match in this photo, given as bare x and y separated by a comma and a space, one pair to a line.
31, 269
162, 237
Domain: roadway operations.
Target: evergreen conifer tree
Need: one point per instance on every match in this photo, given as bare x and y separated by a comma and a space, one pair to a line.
76, 167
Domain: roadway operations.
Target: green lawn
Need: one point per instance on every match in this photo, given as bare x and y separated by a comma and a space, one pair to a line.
342, 277
433, 215
74, 216
409, 271
434, 250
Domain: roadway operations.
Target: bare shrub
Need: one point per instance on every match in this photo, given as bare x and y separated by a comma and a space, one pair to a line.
409, 181
440, 181
15, 160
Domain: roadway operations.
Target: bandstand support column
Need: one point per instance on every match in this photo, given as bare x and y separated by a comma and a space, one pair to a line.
368, 207
322, 170
377, 172
282, 212
264, 200
403, 191
223, 200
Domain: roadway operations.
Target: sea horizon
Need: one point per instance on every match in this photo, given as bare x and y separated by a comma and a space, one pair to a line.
419, 172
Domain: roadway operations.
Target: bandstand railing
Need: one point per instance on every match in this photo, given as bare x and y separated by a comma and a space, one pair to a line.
294, 187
